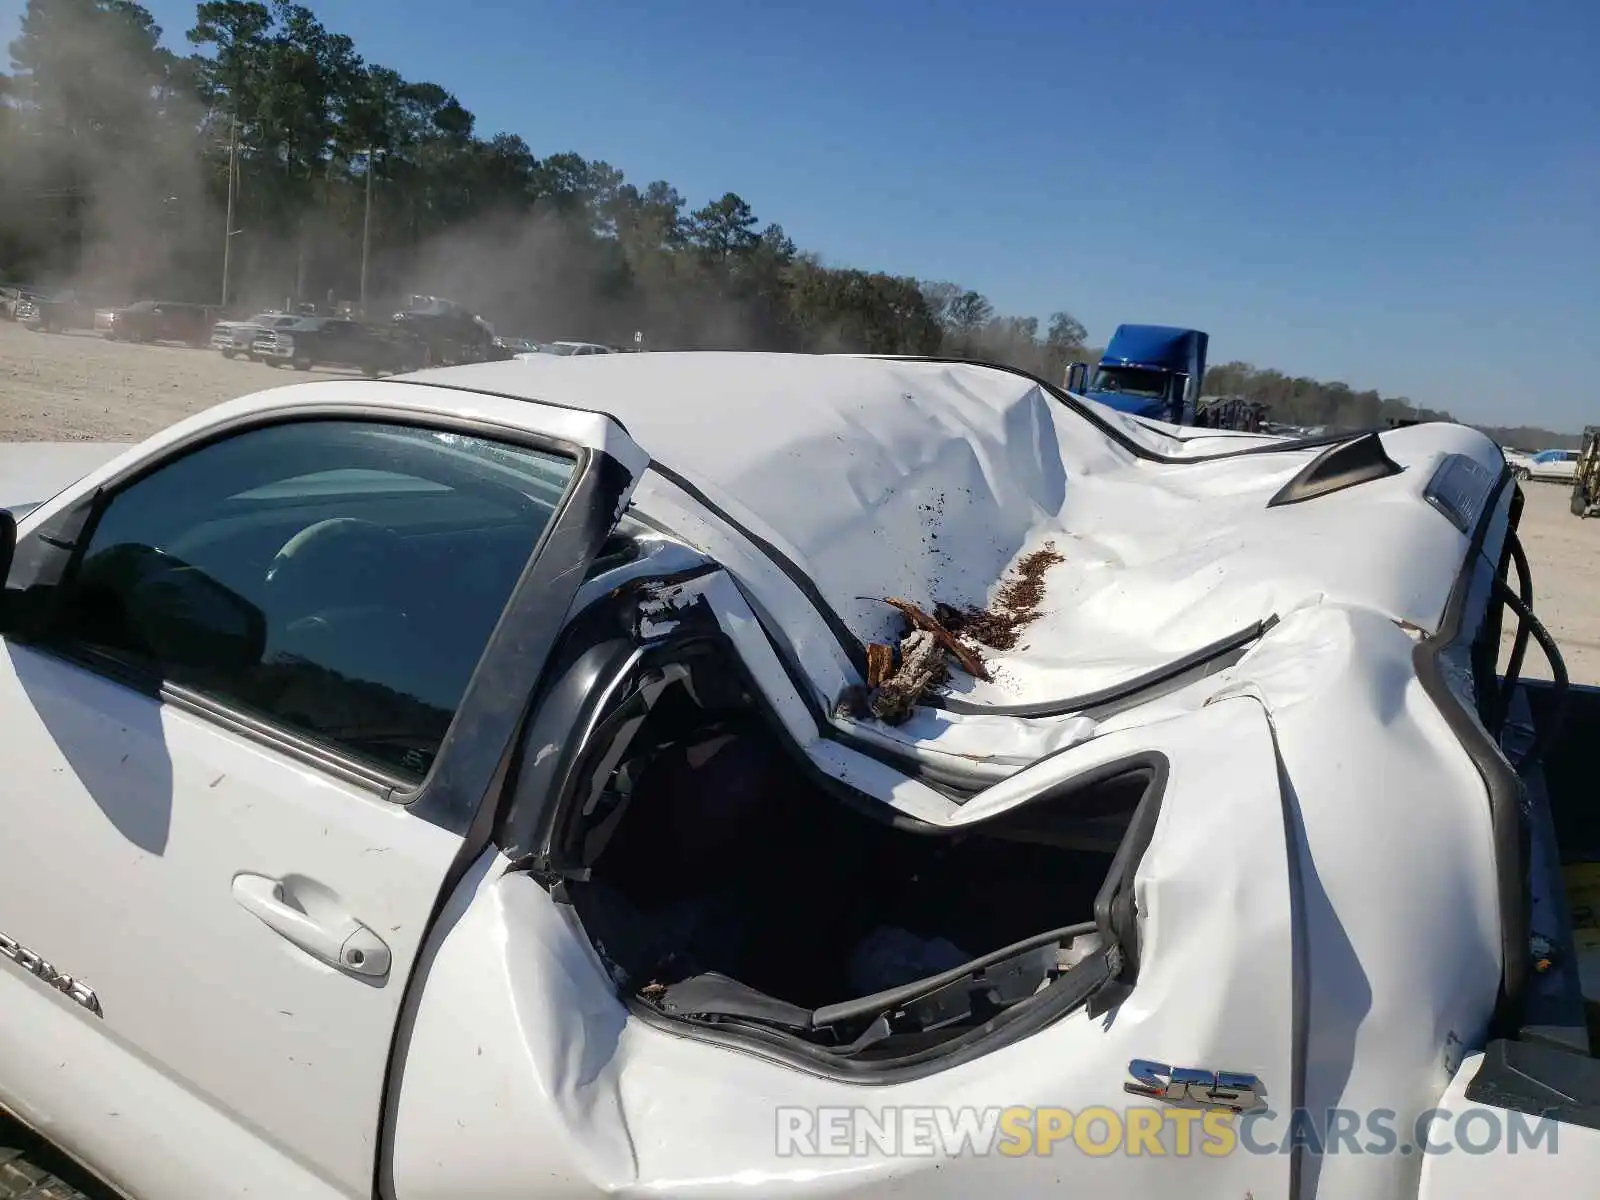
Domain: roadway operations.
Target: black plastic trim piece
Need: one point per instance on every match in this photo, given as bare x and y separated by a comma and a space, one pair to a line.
1116, 692
1550, 728
513, 661
1539, 1081
1342, 465
1114, 908
1019, 1021
715, 993
866, 1006
1495, 705
1505, 789
854, 652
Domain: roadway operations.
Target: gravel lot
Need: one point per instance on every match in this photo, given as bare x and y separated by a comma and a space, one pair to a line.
79, 387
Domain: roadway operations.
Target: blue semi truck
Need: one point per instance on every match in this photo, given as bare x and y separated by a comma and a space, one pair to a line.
1153, 371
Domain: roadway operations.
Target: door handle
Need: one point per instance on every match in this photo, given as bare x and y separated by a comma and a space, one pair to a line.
344, 943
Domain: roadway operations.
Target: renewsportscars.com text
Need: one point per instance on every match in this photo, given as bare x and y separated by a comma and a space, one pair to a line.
1143, 1131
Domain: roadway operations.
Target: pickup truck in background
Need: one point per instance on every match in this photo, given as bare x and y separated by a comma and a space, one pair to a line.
1152, 371
55, 312
307, 342
449, 332
158, 321
238, 337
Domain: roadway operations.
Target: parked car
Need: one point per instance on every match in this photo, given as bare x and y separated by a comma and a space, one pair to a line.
516, 345
307, 342
545, 780
567, 350
574, 348
159, 321
238, 337
14, 296
55, 313
450, 333
1556, 466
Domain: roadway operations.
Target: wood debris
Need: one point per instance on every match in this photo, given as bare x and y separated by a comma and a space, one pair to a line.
922, 665
898, 675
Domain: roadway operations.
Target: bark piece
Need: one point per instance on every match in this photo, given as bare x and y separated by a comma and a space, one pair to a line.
880, 663
970, 662
922, 665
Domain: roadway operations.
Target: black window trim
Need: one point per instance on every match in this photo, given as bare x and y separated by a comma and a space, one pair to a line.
417, 796
1502, 785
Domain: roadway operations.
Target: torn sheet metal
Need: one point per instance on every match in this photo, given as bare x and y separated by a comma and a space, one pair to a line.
574, 1095
951, 475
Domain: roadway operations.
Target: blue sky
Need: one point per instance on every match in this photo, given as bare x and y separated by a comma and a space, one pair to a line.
1401, 194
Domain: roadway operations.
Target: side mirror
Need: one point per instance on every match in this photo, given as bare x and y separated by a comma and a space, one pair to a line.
1077, 377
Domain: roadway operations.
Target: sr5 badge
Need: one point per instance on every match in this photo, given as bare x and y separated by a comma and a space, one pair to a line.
1194, 1085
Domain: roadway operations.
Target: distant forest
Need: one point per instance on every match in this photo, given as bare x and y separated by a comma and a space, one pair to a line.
351, 182
1301, 401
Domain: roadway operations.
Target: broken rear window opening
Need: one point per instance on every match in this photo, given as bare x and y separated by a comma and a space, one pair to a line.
724, 888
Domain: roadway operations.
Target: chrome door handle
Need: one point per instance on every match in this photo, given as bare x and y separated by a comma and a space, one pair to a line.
346, 944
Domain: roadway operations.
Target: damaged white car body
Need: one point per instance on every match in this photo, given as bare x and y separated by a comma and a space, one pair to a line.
474, 792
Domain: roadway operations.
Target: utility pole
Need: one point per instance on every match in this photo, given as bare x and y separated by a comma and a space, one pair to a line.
227, 238
366, 231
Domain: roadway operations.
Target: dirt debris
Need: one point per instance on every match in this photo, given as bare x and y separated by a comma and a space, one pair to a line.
899, 675
1015, 605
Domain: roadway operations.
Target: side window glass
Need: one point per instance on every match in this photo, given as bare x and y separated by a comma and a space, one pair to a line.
337, 579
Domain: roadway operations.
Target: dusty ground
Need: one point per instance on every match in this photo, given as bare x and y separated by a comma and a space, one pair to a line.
80, 387
1564, 555
61, 387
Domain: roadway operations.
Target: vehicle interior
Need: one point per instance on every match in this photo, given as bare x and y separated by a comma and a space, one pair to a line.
1132, 381
377, 586
722, 884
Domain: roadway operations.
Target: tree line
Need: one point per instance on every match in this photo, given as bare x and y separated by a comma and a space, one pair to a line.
1312, 402
349, 181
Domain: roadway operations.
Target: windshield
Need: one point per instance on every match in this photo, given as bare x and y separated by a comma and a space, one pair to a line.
1133, 381
561, 348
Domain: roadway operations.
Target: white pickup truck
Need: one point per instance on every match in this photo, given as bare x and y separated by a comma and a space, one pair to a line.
619, 775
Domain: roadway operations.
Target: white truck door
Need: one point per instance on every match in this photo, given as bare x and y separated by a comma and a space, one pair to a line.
253, 692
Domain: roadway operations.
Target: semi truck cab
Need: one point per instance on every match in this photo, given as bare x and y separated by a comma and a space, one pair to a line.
1153, 371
